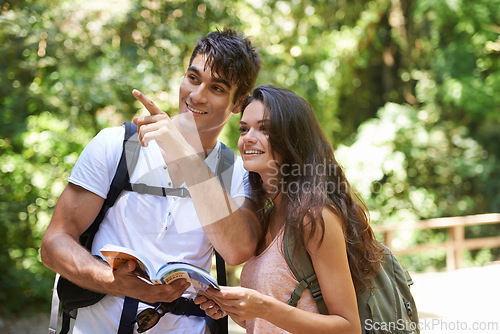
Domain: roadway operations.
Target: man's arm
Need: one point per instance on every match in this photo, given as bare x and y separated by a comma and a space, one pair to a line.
230, 224
75, 211
61, 252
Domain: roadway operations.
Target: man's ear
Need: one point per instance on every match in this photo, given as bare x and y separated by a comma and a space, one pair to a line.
239, 104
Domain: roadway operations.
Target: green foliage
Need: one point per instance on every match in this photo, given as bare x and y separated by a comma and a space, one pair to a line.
405, 89
30, 184
397, 164
437, 154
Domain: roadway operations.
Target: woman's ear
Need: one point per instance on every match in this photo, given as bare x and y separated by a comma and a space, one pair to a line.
239, 104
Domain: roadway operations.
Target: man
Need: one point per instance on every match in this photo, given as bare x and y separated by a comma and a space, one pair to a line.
177, 153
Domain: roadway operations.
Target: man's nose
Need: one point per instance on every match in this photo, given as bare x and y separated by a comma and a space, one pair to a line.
199, 94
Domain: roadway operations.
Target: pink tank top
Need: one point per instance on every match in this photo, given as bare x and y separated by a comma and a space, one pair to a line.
269, 274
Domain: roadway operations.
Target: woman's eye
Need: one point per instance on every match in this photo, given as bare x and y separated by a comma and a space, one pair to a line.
241, 129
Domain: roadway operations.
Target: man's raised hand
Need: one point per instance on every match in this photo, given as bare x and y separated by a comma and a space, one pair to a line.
160, 127
156, 115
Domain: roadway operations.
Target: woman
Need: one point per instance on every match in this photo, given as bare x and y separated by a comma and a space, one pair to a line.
298, 185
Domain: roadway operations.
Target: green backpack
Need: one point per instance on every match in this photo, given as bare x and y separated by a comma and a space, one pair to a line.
388, 307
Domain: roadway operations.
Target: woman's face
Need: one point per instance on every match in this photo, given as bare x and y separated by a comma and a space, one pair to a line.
254, 142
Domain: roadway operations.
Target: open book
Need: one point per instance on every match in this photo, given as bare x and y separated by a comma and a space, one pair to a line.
199, 278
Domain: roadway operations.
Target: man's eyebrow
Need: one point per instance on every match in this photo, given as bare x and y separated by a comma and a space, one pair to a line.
222, 81
193, 69
218, 80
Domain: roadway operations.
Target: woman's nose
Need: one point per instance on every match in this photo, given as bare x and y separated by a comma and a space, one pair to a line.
250, 136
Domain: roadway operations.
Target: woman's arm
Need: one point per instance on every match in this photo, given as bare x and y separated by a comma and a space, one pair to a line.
331, 266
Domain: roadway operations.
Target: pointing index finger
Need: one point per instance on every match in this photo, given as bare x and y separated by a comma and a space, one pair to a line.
150, 105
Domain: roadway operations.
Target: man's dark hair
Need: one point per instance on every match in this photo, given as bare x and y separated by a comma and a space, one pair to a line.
230, 55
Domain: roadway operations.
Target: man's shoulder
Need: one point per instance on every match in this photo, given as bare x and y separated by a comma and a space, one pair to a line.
97, 163
113, 131
107, 140
110, 138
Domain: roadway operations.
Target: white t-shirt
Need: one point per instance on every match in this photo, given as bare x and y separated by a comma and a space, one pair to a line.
164, 228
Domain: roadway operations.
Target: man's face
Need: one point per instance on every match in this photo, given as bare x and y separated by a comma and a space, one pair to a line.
205, 98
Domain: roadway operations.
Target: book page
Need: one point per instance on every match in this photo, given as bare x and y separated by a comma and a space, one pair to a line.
171, 276
200, 279
116, 256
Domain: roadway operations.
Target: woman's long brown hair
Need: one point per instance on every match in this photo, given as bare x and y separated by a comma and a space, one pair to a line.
309, 178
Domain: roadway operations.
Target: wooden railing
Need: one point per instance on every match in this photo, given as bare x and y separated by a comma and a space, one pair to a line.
456, 242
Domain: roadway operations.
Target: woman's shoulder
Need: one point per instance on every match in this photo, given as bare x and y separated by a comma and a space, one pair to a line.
321, 223
318, 214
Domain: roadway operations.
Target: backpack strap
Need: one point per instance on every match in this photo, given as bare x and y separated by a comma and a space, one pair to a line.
224, 172
388, 301
300, 264
54, 307
142, 188
128, 160
121, 181
225, 167
129, 313
127, 163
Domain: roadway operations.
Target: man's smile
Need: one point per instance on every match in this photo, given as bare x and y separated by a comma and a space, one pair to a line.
195, 111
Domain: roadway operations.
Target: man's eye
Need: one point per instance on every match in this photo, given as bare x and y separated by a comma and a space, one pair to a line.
218, 89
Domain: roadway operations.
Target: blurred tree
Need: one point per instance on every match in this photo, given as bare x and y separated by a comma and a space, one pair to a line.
438, 154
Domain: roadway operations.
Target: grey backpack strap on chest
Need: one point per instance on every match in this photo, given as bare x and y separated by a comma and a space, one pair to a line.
225, 167
224, 172
300, 264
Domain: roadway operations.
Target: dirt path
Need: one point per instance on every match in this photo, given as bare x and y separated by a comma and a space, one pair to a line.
460, 301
